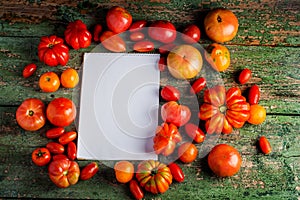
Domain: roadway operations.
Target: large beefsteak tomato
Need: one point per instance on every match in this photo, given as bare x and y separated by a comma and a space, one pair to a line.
172, 112
223, 110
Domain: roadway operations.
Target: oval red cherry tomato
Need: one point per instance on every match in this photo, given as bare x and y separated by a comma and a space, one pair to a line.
191, 34
41, 156
265, 145
60, 157
136, 190
72, 151
29, 70
254, 95
137, 36
112, 42
67, 137
245, 76
163, 31
170, 93
194, 132
162, 64
55, 147
198, 85
176, 172
97, 30
61, 112
89, 171
118, 19
143, 46
137, 25
55, 132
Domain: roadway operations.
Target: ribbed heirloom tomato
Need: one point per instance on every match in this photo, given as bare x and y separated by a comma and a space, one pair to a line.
223, 110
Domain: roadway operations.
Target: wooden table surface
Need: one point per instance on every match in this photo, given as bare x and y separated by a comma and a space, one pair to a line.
267, 42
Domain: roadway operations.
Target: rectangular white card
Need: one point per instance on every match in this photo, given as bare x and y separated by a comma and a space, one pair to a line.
119, 104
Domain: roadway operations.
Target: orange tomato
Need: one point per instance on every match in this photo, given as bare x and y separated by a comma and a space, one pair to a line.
69, 78
49, 82
124, 171
257, 114
220, 57
187, 152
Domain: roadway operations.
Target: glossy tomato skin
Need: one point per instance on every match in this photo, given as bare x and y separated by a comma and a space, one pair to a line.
55, 132
52, 51
77, 35
67, 137
97, 31
72, 150
88, 171
194, 132
61, 112
69, 78
124, 171
64, 173
29, 70
49, 82
187, 152
55, 147
41, 156
172, 112
245, 76
30, 115
136, 190
191, 34
162, 64
59, 157
137, 25
198, 85
254, 95
143, 46
112, 42
163, 31
170, 93
220, 56
137, 36
177, 172
224, 160
118, 19
264, 145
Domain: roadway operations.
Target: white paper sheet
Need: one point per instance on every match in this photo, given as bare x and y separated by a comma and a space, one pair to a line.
118, 106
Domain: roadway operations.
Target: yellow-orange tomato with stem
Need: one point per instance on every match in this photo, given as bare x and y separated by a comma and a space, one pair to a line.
257, 114
220, 57
124, 171
69, 78
49, 82
187, 152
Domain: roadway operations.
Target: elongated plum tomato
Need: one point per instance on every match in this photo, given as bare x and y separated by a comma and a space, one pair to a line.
170, 93
29, 70
89, 171
136, 190
177, 172
264, 145
30, 115
254, 95
112, 41
61, 112
198, 85
245, 76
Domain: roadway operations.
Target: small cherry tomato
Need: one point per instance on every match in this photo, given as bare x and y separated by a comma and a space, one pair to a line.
258, 114
245, 76
72, 151
143, 46
69, 78
166, 48
194, 132
176, 172
162, 64
136, 190
191, 34
124, 171
41, 156
187, 152
265, 145
55, 147
29, 70
60, 157
170, 93
198, 85
55, 132
49, 82
254, 95
137, 36
89, 171
67, 137
97, 30
137, 25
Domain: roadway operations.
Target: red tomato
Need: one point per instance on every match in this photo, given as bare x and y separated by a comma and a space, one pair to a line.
89, 171
177, 172
29, 70
61, 112
41, 156
194, 132
72, 151
30, 115
191, 34
59, 157
49, 82
245, 76
67, 137
77, 35
55, 132
198, 85
162, 64
55, 147
112, 42
170, 93
254, 95
136, 190
137, 25
118, 19
224, 160
163, 31
64, 173
143, 46
137, 36
221, 25
172, 112
166, 48
97, 31
187, 152
52, 51
265, 145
